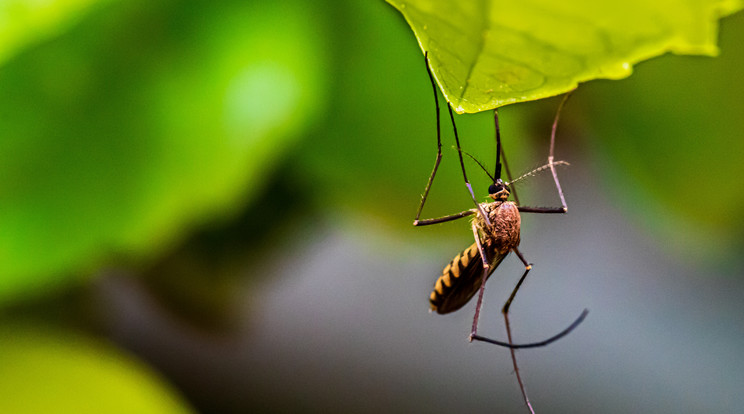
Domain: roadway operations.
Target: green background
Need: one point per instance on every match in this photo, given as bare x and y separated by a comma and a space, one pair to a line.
207, 207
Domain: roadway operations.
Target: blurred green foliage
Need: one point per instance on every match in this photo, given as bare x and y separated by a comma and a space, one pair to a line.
24, 23
54, 371
144, 117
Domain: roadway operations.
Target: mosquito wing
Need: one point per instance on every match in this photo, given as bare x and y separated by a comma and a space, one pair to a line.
460, 279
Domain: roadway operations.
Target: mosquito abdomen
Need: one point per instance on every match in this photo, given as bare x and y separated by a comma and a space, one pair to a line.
459, 281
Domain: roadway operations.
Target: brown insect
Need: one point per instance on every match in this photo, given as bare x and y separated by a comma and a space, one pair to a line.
462, 277
496, 230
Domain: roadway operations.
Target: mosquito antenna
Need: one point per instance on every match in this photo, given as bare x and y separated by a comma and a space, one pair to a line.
537, 170
480, 165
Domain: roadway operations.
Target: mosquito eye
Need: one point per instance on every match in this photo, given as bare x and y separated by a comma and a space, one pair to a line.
493, 189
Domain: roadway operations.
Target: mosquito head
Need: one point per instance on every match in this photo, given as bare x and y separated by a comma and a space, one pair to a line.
498, 191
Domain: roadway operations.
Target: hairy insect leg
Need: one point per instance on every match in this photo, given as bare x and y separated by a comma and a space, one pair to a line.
551, 158
527, 268
417, 221
474, 332
505, 312
552, 164
426, 222
482, 289
462, 166
479, 303
439, 143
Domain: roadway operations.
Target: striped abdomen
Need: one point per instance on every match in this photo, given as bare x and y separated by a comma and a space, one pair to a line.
460, 279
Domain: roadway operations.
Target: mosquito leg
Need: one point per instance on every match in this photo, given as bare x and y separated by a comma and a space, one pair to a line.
462, 166
426, 222
552, 149
527, 268
542, 210
505, 312
539, 344
516, 367
439, 143
552, 164
417, 221
486, 271
474, 332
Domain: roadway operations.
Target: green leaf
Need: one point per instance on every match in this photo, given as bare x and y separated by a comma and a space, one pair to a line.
44, 371
491, 53
145, 119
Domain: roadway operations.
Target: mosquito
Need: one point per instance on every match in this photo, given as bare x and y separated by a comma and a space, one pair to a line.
496, 230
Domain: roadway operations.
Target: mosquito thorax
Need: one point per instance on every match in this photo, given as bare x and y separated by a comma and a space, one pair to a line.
498, 191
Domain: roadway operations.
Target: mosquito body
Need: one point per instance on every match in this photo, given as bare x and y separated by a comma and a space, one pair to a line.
496, 230
462, 277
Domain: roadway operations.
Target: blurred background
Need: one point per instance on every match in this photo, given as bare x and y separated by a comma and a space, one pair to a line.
207, 207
